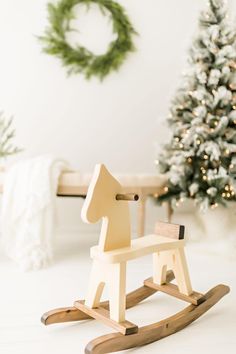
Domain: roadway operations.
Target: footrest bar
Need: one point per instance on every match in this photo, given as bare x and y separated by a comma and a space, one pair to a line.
103, 315
171, 289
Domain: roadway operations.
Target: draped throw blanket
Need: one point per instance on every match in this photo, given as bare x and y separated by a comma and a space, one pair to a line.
28, 207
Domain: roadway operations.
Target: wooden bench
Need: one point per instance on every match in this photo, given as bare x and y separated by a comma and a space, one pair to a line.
75, 184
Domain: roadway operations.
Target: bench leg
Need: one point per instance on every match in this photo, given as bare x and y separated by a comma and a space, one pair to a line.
141, 216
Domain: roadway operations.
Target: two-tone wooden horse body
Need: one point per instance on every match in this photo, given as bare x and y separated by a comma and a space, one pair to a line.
115, 248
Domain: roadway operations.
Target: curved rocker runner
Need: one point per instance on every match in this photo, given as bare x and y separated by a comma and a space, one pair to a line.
115, 342
115, 248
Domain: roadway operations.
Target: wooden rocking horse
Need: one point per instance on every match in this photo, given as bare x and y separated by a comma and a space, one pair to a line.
105, 200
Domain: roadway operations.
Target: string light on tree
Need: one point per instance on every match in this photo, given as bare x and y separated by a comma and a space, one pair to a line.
227, 152
214, 206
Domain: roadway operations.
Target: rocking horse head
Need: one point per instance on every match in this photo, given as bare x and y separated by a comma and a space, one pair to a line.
100, 203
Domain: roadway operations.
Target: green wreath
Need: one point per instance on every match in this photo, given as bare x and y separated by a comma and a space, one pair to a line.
80, 59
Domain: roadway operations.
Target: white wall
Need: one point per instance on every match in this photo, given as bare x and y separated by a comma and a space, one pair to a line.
117, 121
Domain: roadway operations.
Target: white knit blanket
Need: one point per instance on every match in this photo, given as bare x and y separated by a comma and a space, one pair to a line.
28, 210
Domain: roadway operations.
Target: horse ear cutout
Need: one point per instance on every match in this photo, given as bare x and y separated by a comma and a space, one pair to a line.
88, 215
102, 169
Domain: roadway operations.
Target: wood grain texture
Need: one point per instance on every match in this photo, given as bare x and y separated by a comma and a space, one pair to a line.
115, 342
166, 229
171, 289
63, 314
101, 314
69, 314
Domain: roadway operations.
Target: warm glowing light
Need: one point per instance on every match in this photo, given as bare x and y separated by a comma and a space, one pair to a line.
213, 206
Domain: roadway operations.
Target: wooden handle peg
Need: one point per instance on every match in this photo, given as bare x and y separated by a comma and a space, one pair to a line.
128, 196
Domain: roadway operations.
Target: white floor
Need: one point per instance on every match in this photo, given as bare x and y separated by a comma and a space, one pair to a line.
26, 296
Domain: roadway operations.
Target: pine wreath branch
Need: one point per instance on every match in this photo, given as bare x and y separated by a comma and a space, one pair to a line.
80, 59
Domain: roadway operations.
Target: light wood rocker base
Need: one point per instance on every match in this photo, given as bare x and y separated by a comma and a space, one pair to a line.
129, 335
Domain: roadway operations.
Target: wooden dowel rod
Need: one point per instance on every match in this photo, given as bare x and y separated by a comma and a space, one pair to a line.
71, 195
128, 196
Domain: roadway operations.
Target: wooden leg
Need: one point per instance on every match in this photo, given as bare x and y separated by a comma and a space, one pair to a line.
141, 216
96, 285
175, 260
181, 273
117, 291
159, 269
114, 275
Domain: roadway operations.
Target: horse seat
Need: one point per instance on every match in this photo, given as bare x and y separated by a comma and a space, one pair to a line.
139, 247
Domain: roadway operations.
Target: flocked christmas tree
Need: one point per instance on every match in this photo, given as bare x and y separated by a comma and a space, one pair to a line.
200, 158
